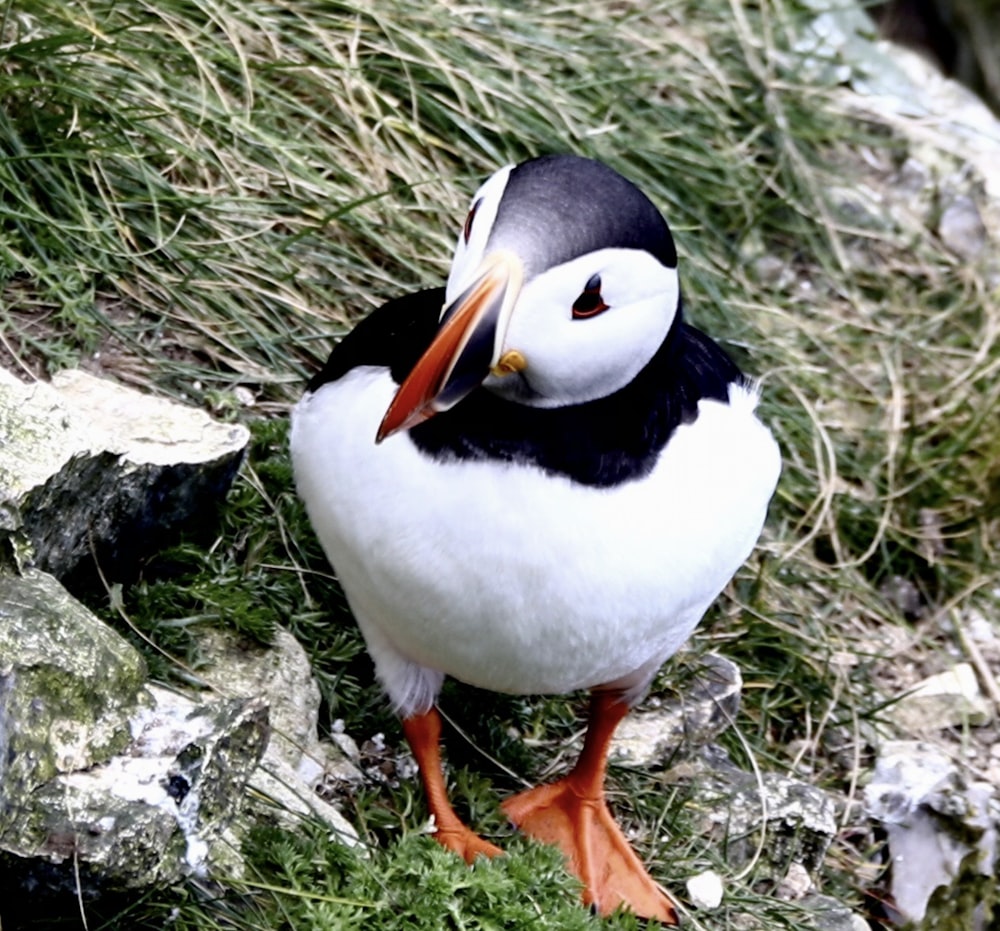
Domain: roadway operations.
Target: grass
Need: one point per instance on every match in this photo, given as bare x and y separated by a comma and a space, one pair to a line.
198, 196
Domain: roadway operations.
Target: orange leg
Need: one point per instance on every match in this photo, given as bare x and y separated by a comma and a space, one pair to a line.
423, 731
572, 814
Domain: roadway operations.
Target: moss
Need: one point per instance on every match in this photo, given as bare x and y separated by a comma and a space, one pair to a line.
971, 900
69, 683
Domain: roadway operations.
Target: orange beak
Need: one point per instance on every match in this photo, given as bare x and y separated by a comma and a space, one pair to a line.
465, 350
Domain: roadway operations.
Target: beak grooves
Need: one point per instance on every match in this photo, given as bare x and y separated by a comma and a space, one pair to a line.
465, 349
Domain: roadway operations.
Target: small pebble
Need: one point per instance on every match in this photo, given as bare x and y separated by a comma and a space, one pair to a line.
705, 890
796, 884
961, 228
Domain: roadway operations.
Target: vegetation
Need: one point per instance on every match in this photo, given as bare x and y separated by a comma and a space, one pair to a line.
199, 196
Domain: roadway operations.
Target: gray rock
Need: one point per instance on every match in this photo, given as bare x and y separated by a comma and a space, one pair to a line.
948, 699
949, 181
68, 685
961, 36
899, 88
296, 762
707, 705
827, 914
92, 471
942, 830
149, 815
813, 913
100, 776
734, 807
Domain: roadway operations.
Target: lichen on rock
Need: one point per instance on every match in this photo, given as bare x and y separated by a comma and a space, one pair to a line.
102, 775
68, 685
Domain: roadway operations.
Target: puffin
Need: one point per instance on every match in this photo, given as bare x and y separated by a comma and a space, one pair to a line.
535, 480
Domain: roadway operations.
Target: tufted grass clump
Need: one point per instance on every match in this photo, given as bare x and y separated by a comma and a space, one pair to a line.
198, 198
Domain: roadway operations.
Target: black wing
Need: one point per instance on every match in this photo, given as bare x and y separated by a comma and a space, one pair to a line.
393, 337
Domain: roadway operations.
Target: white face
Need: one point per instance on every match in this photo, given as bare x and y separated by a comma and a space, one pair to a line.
571, 359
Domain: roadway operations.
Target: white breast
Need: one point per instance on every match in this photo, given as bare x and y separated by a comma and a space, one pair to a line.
514, 580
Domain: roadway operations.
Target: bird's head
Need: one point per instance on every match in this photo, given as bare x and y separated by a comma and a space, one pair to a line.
562, 288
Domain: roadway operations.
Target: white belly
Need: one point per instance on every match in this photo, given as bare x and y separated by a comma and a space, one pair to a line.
514, 580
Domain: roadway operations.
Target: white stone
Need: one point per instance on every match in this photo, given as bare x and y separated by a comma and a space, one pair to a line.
961, 228
142, 428
705, 890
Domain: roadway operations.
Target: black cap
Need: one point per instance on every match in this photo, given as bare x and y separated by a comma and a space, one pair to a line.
564, 206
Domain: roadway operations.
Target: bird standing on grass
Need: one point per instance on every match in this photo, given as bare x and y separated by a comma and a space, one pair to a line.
537, 480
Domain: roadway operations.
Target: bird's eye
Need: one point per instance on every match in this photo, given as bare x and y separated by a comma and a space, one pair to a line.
467, 229
590, 303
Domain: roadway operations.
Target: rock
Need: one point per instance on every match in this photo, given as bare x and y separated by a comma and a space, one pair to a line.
296, 762
707, 705
705, 890
904, 595
813, 913
95, 473
151, 814
827, 914
796, 883
345, 742
941, 827
960, 36
948, 180
961, 228
107, 784
68, 686
900, 88
732, 806
948, 699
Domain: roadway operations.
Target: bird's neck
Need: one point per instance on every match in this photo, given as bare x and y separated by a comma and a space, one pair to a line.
603, 442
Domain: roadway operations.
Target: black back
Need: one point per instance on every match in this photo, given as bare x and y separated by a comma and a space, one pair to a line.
601, 443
